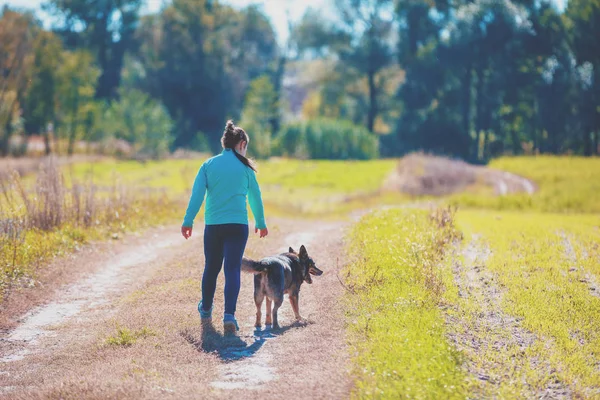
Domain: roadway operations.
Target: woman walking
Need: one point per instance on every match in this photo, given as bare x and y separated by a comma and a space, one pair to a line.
227, 179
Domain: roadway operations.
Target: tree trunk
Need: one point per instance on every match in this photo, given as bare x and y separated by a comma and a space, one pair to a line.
276, 119
587, 143
516, 145
372, 113
47, 149
466, 113
479, 110
73, 130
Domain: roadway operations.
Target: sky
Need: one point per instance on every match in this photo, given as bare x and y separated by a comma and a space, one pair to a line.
276, 10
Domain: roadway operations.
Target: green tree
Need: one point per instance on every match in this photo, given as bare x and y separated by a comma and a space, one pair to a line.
106, 28
585, 39
141, 121
78, 76
259, 109
16, 41
361, 42
40, 103
198, 58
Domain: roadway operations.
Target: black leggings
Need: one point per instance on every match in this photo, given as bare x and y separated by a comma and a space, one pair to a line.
223, 242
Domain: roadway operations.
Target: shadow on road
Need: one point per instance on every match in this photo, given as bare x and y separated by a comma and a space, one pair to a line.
232, 347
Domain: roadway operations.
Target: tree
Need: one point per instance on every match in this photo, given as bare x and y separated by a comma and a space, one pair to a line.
16, 41
106, 28
198, 58
361, 42
78, 76
259, 109
141, 121
40, 104
585, 39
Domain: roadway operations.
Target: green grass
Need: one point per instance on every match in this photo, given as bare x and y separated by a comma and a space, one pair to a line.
127, 337
543, 263
565, 185
290, 187
396, 327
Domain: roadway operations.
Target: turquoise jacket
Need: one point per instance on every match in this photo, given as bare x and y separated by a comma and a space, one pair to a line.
227, 182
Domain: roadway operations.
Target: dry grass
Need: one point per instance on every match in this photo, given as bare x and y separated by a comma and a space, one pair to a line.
45, 217
423, 175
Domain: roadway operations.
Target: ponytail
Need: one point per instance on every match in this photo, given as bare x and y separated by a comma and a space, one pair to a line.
232, 136
246, 161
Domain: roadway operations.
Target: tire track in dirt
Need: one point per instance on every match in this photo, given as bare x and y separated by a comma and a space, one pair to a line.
485, 330
584, 276
94, 291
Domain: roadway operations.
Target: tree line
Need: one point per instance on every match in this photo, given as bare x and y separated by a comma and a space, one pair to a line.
478, 78
466, 78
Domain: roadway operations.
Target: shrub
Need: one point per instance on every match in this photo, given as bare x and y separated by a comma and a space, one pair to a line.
327, 139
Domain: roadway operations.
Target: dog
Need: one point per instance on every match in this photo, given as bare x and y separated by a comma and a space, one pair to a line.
279, 275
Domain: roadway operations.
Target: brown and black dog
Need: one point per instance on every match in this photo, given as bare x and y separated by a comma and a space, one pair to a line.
279, 275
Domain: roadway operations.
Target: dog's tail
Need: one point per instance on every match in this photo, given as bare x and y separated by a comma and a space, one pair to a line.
253, 267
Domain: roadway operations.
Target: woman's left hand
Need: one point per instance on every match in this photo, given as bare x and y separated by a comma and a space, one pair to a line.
263, 232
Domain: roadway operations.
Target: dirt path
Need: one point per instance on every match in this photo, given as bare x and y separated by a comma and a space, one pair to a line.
143, 299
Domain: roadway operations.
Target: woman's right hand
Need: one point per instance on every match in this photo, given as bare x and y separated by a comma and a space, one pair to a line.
186, 231
263, 232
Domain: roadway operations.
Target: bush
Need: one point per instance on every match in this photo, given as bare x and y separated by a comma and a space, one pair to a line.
327, 139
142, 122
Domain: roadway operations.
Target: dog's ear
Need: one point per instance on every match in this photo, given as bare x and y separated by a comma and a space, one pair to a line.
291, 250
303, 252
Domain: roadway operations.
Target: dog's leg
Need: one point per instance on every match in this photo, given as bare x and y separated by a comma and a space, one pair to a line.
269, 320
259, 296
278, 302
294, 301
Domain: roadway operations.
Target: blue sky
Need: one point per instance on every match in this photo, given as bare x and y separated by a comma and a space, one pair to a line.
277, 10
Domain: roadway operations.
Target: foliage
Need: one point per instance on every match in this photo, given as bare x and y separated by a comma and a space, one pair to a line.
105, 28
77, 76
127, 337
141, 121
327, 139
198, 57
16, 42
396, 284
259, 110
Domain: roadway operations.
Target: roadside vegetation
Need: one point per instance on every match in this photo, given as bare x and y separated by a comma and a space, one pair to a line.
515, 312
47, 215
395, 290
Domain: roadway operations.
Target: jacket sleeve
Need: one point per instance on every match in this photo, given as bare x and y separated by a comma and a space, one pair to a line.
198, 192
255, 200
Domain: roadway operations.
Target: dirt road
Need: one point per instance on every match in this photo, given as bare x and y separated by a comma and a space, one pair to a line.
126, 326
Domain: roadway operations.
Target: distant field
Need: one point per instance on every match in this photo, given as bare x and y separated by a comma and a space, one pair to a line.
288, 186
564, 185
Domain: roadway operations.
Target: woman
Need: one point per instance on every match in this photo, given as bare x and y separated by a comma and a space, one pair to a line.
227, 179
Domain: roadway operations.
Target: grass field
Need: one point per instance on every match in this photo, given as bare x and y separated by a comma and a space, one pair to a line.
564, 185
515, 312
395, 322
